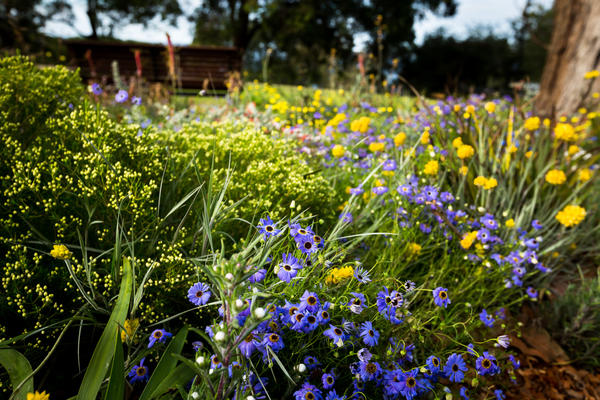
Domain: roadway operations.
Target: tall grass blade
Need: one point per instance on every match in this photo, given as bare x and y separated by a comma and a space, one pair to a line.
105, 349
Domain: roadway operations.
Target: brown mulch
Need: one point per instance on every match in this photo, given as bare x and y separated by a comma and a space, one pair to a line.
546, 372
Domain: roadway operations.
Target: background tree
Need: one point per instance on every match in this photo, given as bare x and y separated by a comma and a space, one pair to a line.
574, 50
108, 13
479, 63
21, 21
302, 33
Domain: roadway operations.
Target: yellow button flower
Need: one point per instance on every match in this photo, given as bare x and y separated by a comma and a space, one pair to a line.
532, 123
431, 168
566, 132
490, 107
399, 139
377, 146
510, 223
584, 174
465, 151
338, 150
571, 215
60, 252
555, 177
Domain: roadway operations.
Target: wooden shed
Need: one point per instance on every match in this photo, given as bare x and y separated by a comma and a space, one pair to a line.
196, 67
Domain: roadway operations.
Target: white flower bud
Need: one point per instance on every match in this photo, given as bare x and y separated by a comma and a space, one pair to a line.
229, 276
239, 303
200, 360
210, 371
300, 367
255, 290
259, 312
195, 395
220, 336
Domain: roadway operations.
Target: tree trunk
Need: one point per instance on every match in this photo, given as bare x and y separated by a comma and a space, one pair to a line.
93, 17
574, 50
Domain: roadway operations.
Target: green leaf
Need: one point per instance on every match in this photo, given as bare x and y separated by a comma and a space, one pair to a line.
116, 383
18, 369
180, 376
105, 349
165, 366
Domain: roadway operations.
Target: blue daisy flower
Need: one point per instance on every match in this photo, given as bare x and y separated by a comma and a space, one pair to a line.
199, 294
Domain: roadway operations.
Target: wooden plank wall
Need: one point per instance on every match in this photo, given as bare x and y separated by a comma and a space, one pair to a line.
197, 66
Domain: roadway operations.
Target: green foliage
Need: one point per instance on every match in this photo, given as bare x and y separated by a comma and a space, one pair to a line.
32, 97
268, 173
18, 369
105, 349
573, 318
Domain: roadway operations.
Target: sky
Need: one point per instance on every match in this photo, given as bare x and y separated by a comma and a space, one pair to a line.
469, 15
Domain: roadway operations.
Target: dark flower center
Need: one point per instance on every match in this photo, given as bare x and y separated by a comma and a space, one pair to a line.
274, 337
486, 363
158, 334
357, 302
307, 245
311, 300
199, 293
435, 362
371, 333
292, 310
317, 239
324, 315
216, 360
287, 267
141, 371
311, 319
273, 325
411, 382
269, 228
337, 331
371, 368
443, 294
302, 231
455, 368
388, 299
329, 380
299, 317
309, 396
249, 338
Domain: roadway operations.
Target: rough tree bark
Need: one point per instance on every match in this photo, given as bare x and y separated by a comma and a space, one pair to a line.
574, 50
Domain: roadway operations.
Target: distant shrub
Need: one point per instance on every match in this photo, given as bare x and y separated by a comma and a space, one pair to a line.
268, 173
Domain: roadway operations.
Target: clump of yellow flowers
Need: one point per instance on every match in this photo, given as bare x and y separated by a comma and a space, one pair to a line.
555, 177
399, 139
360, 125
129, 328
414, 248
338, 275
532, 123
431, 168
60, 252
338, 151
465, 151
486, 183
571, 215
566, 132
468, 239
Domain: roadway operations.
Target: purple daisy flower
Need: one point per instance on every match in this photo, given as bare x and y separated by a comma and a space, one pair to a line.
199, 294
440, 297
121, 96
139, 373
158, 335
369, 335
